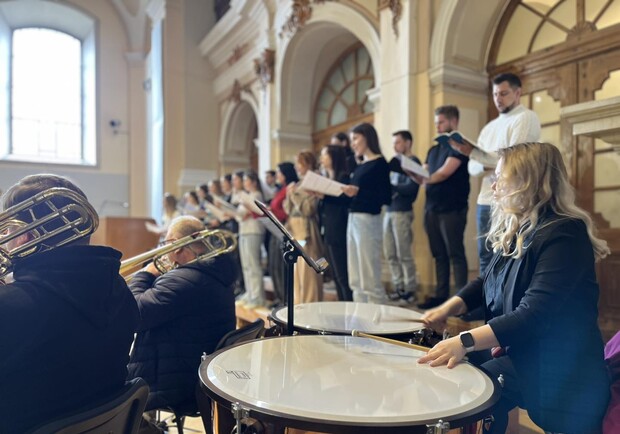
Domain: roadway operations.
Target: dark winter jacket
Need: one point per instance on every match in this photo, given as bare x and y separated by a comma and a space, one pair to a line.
66, 327
183, 313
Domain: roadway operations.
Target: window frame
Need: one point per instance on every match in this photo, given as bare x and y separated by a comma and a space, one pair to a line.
71, 21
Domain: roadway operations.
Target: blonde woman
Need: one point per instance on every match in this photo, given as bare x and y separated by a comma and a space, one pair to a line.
302, 210
540, 294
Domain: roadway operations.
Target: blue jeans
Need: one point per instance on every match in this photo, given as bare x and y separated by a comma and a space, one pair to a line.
397, 241
364, 239
483, 223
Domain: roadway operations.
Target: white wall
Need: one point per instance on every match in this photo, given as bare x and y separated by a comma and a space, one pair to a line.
109, 179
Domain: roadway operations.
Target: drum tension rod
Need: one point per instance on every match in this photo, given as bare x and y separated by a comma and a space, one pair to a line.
440, 427
239, 413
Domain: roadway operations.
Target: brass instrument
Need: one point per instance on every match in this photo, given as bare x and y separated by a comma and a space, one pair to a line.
217, 242
66, 216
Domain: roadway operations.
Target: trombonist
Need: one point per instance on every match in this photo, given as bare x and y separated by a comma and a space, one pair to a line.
67, 319
183, 313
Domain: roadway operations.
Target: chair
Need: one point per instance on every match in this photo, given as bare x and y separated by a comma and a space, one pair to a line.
118, 414
244, 334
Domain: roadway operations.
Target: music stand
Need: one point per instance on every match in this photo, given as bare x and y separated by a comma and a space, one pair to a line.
292, 251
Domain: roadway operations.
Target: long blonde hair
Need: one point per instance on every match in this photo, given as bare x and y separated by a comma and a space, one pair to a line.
533, 179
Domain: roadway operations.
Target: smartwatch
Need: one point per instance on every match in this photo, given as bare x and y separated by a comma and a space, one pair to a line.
467, 340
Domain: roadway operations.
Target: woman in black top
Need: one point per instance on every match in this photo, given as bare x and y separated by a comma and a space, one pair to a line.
370, 189
334, 212
540, 296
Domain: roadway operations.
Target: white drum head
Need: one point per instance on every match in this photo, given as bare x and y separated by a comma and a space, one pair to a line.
344, 380
338, 317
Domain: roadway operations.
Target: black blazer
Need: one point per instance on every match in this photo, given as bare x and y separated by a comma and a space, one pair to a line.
549, 326
334, 213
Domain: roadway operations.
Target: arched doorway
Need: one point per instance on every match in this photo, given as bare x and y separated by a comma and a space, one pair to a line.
308, 57
342, 101
568, 52
238, 148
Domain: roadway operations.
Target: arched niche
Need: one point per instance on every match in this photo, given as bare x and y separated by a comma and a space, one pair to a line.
461, 42
237, 144
307, 57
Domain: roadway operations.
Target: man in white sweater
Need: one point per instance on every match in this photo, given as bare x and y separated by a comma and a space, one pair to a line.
515, 124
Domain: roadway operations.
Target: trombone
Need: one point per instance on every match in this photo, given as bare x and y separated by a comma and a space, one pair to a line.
62, 216
216, 242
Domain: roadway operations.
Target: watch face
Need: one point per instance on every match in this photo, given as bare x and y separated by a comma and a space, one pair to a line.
467, 340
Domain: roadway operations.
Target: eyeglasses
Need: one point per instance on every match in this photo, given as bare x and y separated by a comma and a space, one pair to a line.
166, 242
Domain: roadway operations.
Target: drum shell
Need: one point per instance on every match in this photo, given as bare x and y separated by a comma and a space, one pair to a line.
276, 422
315, 320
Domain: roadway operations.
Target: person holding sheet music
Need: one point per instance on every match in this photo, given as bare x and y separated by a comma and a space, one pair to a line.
370, 189
397, 231
302, 209
251, 233
334, 212
343, 140
445, 211
514, 124
540, 297
285, 175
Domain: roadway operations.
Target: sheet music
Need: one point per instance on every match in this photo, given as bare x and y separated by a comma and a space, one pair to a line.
320, 184
247, 201
217, 213
228, 206
411, 166
271, 227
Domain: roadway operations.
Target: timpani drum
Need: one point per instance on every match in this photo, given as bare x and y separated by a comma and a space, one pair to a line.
343, 384
341, 318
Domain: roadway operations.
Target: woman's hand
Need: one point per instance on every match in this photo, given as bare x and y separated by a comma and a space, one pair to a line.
449, 351
350, 190
436, 318
316, 194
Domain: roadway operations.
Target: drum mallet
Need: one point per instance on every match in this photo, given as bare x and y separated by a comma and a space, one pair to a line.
357, 333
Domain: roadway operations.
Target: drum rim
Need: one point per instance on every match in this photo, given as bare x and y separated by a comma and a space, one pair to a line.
300, 328
304, 422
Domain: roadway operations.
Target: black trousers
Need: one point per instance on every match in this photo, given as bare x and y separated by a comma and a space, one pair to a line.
445, 236
510, 393
337, 258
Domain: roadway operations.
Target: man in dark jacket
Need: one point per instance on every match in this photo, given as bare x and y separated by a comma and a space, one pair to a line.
66, 321
397, 230
183, 313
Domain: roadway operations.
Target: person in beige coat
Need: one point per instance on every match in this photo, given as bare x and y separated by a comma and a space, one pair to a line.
302, 209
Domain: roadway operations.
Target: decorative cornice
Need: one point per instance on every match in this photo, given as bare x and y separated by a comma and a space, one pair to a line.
460, 78
397, 10
237, 89
237, 53
597, 119
301, 12
264, 67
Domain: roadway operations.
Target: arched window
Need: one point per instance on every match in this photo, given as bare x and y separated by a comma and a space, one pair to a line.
47, 84
538, 24
568, 52
342, 100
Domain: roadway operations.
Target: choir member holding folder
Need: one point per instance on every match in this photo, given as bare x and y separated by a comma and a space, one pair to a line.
334, 212
302, 209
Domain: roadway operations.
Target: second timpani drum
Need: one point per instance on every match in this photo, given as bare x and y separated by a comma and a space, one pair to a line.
343, 384
341, 318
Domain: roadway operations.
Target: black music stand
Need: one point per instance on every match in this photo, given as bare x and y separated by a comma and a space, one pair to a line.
292, 251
